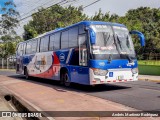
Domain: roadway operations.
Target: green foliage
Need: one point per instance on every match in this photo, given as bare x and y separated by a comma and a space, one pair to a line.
147, 21
49, 19
143, 19
8, 22
9, 18
8, 46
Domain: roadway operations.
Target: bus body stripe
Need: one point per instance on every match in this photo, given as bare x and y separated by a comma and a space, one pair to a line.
69, 55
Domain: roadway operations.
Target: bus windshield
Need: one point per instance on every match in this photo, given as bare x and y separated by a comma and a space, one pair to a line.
124, 40
112, 40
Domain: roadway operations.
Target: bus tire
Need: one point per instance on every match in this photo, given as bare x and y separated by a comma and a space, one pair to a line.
61, 79
26, 73
65, 79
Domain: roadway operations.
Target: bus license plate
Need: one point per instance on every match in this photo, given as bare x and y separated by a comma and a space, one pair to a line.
120, 77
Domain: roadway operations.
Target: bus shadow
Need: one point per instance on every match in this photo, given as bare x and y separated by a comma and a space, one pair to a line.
74, 86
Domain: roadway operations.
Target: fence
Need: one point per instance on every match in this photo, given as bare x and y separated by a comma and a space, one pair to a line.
149, 64
8, 63
149, 59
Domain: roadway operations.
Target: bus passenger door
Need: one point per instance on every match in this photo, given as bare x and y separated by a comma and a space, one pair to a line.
83, 70
82, 50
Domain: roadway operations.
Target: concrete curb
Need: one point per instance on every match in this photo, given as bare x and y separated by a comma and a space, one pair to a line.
8, 70
21, 105
152, 80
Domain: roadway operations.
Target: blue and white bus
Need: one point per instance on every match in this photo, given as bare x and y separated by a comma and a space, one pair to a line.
88, 52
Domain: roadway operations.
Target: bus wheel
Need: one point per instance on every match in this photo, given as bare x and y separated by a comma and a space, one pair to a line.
66, 79
26, 73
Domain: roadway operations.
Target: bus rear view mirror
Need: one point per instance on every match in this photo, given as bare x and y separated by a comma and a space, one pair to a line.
140, 35
92, 36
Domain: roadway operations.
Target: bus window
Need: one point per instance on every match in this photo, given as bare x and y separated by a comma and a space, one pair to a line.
73, 37
34, 46
28, 48
57, 41
44, 44
20, 50
38, 44
51, 44
64, 40
24, 48
81, 29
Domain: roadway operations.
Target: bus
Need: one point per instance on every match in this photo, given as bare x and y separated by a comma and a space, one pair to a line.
88, 52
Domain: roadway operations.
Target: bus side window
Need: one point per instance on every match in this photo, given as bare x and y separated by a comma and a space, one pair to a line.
34, 46
38, 44
57, 41
44, 44
81, 29
73, 37
64, 39
51, 43
24, 48
28, 48
20, 50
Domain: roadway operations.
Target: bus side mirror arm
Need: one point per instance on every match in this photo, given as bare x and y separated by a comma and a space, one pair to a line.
140, 35
92, 36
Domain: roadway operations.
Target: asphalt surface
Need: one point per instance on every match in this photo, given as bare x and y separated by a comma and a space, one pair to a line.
141, 95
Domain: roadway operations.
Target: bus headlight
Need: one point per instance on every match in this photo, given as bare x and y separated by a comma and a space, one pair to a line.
100, 72
135, 70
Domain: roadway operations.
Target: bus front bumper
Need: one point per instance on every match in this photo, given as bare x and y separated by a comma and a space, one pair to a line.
112, 76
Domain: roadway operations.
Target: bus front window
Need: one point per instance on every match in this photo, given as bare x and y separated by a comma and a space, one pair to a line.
112, 41
124, 40
105, 43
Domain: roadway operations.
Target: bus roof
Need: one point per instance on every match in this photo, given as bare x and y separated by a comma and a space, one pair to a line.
86, 23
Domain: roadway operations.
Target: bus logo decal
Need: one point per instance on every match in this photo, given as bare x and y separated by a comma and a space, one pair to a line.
102, 64
62, 57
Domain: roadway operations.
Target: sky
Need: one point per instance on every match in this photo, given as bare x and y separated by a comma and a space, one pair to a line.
120, 7
2, 4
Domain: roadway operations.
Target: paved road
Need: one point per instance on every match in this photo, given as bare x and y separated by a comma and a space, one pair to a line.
140, 95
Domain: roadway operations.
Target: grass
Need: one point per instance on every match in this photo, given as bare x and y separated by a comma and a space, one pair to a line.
149, 67
149, 62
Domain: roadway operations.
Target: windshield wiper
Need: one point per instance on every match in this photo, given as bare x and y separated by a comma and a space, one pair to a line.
110, 58
129, 58
127, 55
106, 39
119, 42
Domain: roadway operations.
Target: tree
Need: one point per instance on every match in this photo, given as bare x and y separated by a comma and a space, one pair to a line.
8, 21
49, 19
143, 19
147, 21
8, 46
